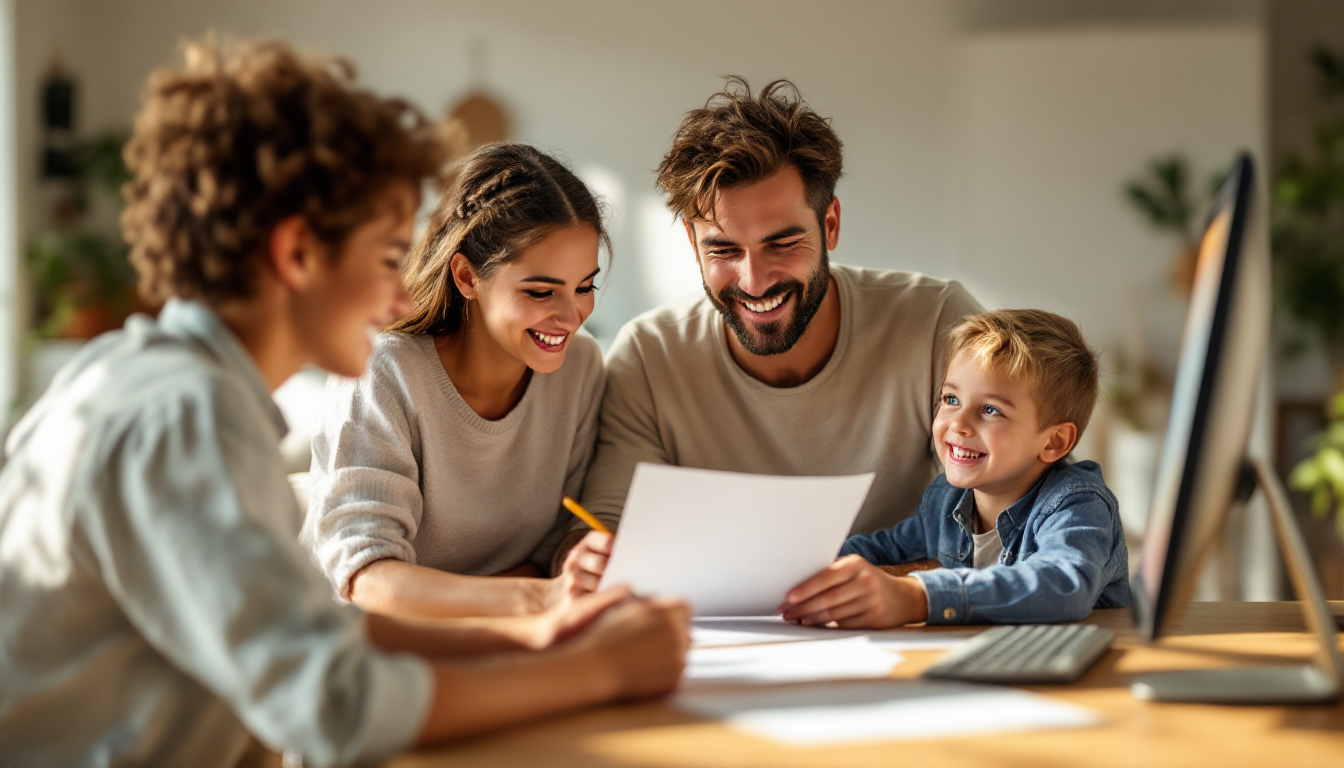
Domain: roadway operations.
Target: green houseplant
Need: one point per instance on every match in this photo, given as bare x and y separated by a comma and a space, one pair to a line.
84, 283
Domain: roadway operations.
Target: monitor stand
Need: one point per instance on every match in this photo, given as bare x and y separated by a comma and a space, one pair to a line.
1296, 684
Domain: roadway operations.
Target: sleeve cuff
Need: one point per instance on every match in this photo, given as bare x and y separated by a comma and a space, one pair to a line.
948, 602
400, 688
350, 564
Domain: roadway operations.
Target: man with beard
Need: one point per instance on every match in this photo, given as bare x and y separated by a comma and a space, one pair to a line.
788, 365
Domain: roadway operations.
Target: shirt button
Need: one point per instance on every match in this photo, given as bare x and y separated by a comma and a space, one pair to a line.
949, 613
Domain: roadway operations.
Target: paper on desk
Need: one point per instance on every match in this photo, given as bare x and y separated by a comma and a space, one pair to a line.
915, 709
718, 631
852, 658
727, 542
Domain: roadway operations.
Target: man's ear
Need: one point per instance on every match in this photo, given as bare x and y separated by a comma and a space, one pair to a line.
1060, 439
464, 277
293, 252
690, 237
832, 222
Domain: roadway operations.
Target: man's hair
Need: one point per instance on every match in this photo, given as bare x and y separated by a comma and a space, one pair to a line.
244, 136
504, 197
736, 139
1041, 348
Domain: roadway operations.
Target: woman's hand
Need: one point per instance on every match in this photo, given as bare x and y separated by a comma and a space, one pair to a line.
583, 567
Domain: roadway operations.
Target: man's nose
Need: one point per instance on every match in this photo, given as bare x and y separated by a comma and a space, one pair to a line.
754, 274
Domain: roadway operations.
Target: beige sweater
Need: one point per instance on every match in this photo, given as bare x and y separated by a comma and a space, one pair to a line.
675, 396
403, 468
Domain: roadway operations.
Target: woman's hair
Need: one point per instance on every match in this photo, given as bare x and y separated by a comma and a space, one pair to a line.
244, 136
503, 198
739, 139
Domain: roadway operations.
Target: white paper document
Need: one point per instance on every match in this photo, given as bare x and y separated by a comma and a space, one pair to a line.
730, 543
718, 631
916, 709
852, 658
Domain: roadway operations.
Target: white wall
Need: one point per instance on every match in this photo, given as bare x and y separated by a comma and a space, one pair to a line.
992, 156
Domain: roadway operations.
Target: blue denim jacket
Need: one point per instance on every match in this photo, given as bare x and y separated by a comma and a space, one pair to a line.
1063, 551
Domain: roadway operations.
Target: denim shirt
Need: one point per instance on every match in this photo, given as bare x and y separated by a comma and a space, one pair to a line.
1063, 551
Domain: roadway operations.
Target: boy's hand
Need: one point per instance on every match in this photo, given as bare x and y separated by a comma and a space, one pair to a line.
586, 562
856, 595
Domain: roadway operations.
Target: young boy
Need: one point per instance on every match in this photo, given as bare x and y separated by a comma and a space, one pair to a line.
1022, 535
156, 604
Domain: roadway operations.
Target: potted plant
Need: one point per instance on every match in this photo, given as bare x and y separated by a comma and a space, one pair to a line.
84, 283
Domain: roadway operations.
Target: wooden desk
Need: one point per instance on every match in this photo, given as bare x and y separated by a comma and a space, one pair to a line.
1136, 733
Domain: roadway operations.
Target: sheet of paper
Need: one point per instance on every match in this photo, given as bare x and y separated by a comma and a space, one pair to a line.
916, 709
727, 542
852, 658
719, 631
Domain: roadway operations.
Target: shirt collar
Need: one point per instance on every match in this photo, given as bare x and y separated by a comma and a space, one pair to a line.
196, 322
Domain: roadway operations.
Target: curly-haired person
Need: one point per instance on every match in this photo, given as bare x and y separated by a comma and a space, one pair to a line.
789, 364
157, 604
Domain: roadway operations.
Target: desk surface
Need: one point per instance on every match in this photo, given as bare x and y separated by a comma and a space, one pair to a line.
1135, 734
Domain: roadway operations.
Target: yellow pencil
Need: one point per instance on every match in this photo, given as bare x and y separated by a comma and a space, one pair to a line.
584, 515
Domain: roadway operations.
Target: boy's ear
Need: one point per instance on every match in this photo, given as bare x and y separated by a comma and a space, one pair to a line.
293, 252
1060, 439
464, 276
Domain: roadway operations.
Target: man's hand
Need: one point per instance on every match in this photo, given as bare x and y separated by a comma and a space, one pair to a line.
856, 595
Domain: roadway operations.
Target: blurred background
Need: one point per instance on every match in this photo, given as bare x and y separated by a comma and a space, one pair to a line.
1049, 153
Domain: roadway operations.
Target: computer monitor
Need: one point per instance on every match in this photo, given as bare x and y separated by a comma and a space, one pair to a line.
1204, 471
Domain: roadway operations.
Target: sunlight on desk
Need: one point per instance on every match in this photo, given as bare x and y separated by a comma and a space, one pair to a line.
1132, 733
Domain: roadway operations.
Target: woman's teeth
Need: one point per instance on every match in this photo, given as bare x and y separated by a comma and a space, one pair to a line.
961, 453
549, 340
761, 307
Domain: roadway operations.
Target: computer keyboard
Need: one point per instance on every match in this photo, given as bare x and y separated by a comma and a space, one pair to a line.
1045, 653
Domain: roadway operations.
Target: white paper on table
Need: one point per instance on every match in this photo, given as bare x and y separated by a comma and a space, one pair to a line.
915, 709
719, 631
852, 658
730, 543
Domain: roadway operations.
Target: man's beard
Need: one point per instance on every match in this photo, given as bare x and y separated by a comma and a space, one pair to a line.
779, 336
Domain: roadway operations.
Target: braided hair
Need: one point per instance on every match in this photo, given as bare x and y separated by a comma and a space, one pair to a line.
503, 198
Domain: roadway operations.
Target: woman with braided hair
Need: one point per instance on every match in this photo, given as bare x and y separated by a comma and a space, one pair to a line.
437, 477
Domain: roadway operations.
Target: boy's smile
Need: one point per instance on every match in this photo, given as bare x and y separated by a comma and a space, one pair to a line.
988, 438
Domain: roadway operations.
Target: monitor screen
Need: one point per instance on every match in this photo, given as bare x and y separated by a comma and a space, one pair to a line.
1204, 452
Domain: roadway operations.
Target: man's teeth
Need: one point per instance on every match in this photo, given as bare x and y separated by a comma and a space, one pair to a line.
761, 307
962, 453
549, 340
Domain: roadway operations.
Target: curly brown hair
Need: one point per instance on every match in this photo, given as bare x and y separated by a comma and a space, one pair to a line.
245, 135
737, 139
503, 198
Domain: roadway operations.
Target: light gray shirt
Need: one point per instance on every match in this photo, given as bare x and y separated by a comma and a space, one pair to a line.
403, 468
156, 603
675, 396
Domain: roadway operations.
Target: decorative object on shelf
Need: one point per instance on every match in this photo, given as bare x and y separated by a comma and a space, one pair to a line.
1307, 229
478, 117
1163, 197
1321, 474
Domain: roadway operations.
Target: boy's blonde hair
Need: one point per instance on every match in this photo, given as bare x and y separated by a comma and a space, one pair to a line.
1041, 348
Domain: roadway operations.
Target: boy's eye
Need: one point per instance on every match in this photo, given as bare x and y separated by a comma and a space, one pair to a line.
990, 410
950, 400
540, 294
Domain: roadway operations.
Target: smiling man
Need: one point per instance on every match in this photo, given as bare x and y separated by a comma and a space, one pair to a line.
788, 365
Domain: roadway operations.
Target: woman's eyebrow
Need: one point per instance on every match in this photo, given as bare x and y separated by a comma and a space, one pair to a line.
556, 280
